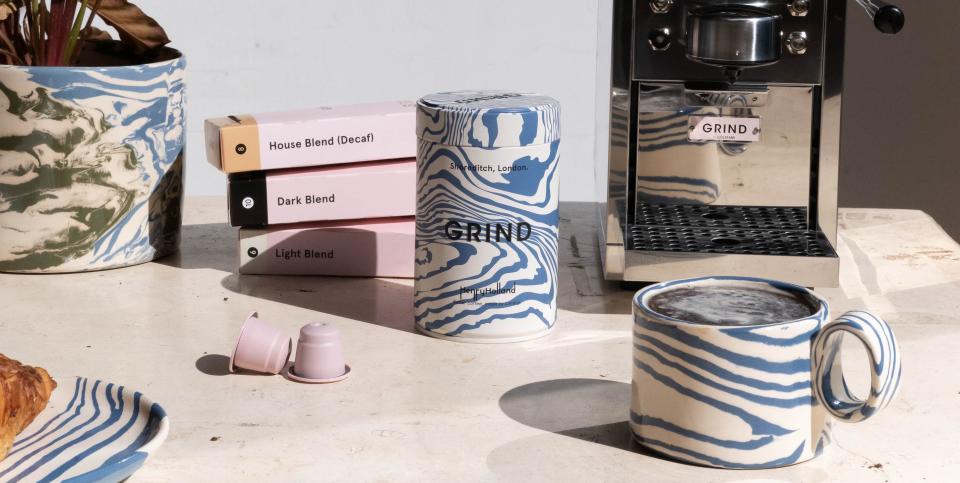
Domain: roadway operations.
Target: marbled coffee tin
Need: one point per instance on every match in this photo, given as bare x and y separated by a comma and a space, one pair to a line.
91, 163
487, 215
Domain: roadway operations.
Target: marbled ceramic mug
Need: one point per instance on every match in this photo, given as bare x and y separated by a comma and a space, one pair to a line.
750, 396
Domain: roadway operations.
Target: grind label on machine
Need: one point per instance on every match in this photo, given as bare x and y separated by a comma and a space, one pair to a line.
724, 128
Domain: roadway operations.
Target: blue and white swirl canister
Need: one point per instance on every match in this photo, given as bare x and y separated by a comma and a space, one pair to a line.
487, 215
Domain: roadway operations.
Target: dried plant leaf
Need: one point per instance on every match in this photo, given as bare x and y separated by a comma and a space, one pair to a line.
134, 26
8, 7
93, 33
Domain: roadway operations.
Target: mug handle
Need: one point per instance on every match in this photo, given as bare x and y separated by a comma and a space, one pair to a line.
829, 384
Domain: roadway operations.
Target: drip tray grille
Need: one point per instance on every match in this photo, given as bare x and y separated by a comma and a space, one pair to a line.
745, 230
706, 216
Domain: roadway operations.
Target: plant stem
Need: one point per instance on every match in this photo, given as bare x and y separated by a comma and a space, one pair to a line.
12, 57
74, 34
62, 16
6, 25
93, 12
10, 51
32, 21
16, 35
53, 31
41, 32
84, 31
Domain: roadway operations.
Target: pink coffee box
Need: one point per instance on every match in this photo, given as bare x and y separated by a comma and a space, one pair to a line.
381, 247
351, 191
312, 137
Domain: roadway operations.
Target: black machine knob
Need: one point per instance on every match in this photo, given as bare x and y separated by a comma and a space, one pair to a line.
660, 39
887, 18
799, 8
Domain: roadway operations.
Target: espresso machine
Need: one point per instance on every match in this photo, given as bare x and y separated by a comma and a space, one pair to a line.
718, 142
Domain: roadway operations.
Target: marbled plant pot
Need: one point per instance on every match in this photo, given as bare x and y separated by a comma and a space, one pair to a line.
91, 163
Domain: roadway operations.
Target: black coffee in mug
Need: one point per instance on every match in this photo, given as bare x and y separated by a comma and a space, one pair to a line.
719, 305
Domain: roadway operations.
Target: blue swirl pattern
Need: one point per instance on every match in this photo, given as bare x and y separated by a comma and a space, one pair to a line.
498, 177
488, 119
91, 163
670, 168
881, 346
92, 431
755, 396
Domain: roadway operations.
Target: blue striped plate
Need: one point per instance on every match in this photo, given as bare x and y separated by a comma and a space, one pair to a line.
91, 431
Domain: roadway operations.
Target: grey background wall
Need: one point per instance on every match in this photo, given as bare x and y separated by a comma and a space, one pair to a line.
901, 132
900, 127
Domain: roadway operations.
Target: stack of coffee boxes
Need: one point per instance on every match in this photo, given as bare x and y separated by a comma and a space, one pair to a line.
326, 191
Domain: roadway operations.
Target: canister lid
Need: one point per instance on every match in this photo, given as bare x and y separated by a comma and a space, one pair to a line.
488, 119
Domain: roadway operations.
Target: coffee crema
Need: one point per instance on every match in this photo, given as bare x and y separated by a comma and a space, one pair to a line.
735, 306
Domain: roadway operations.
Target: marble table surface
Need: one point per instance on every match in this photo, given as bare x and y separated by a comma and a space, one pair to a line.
421, 409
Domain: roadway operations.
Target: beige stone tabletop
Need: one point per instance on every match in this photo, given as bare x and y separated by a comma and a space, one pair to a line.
422, 409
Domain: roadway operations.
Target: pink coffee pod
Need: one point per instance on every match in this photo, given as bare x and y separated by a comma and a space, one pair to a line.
319, 355
261, 347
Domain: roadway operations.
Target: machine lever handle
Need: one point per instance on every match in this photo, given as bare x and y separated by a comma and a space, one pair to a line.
887, 18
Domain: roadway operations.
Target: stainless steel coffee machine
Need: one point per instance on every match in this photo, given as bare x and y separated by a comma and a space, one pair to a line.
718, 138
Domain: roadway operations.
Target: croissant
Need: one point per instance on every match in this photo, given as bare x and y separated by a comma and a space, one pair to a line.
24, 392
